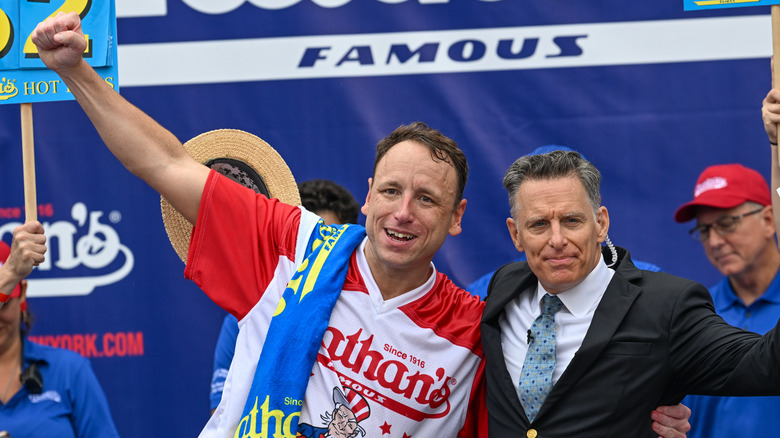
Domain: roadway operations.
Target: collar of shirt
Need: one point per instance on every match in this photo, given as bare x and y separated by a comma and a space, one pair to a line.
380, 304
33, 353
773, 292
580, 299
724, 297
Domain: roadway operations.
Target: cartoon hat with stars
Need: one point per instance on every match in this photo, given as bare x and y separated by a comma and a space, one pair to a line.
355, 403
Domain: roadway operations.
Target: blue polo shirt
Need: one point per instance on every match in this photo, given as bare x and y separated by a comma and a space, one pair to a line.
716, 417
223, 356
72, 404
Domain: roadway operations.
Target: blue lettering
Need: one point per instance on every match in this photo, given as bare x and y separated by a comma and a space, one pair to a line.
458, 51
361, 54
426, 52
468, 50
504, 50
311, 56
568, 46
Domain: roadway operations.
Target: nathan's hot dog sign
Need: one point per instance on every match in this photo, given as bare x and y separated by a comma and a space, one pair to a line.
24, 79
23, 76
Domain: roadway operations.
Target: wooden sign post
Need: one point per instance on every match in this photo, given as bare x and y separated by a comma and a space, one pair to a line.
776, 45
24, 79
28, 164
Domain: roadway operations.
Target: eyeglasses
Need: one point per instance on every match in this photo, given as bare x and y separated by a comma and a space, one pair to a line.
722, 226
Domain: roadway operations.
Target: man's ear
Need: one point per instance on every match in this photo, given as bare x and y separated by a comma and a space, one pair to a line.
364, 208
457, 217
514, 233
602, 223
768, 219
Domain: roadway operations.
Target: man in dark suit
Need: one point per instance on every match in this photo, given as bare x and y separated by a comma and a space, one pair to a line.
578, 341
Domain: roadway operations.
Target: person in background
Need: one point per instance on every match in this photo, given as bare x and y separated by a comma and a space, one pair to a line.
336, 206
330, 201
588, 341
735, 226
378, 292
44, 391
479, 287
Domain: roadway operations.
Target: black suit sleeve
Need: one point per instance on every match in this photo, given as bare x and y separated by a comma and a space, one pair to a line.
712, 357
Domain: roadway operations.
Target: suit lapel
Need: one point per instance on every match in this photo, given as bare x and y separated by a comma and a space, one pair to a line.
507, 288
609, 314
516, 281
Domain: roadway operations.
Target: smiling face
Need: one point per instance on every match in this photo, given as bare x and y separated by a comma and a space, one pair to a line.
556, 227
410, 208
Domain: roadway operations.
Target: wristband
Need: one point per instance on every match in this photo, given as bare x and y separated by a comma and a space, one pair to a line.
4, 298
773, 144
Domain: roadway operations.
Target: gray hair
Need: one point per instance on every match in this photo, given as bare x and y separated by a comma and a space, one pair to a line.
553, 165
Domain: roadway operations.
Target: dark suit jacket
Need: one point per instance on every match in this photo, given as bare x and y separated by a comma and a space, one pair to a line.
654, 338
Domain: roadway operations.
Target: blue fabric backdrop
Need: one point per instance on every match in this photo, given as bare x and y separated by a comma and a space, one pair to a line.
649, 93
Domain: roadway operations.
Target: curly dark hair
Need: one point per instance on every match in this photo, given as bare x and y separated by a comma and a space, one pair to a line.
322, 194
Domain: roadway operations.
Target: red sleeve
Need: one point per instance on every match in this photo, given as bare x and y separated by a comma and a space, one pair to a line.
237, 242
476, 424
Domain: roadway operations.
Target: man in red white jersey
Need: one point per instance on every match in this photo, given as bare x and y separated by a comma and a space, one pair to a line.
400, 334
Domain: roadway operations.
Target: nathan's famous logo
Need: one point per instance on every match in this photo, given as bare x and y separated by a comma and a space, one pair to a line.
86, 241
343, 421
283, 425
427, 395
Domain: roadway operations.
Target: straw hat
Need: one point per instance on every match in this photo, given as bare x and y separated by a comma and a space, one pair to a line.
242, 157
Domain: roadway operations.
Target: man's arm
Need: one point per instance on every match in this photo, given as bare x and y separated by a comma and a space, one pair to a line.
770, 113
143, 146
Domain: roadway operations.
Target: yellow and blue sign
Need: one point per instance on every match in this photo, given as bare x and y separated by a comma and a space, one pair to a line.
692, 5
23, 76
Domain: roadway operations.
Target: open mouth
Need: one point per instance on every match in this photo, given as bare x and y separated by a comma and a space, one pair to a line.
399, 237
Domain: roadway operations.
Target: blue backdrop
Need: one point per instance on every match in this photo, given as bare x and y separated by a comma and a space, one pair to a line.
649, 93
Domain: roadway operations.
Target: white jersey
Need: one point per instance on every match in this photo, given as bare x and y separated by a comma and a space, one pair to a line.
405, 367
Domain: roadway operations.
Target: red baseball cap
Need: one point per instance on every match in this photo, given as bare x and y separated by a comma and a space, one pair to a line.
5, 251
725, 186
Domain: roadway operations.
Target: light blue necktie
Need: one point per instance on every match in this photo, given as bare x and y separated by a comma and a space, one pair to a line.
536, 377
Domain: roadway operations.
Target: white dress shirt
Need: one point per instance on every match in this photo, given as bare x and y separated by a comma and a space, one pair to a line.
571, 322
